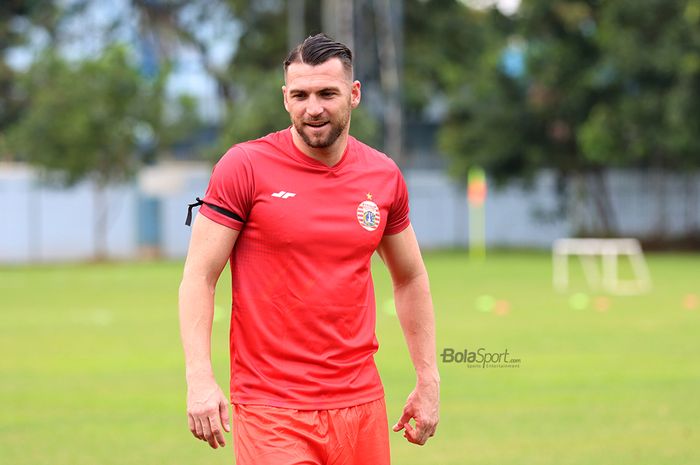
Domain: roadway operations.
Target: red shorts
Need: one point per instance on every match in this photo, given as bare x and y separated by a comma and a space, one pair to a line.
356, 435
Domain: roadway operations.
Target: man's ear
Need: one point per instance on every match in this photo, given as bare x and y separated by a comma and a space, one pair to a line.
355, 94
284, 98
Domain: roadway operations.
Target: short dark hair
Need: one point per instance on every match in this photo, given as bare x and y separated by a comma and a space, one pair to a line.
318, 49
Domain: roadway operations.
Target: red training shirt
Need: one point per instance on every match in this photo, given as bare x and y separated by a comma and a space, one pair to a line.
303, 315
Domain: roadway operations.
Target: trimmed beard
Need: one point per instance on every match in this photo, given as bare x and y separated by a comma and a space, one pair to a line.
335, 131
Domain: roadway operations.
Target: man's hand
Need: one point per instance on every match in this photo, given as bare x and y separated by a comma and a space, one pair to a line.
207, 412
423, 406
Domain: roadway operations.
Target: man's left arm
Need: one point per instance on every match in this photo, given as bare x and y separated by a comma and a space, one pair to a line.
414, 308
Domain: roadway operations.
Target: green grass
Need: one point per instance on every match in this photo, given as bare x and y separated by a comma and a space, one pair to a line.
92, 373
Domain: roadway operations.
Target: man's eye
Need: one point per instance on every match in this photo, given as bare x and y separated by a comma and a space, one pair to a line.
327, 94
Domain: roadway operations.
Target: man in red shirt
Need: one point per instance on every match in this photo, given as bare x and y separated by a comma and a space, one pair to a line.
299, 213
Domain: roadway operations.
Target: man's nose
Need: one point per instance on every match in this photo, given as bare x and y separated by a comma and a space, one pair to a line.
314, 107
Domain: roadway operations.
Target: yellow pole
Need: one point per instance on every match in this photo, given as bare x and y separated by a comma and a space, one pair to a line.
476, 197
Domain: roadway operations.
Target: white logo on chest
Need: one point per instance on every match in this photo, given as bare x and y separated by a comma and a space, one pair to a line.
283, 194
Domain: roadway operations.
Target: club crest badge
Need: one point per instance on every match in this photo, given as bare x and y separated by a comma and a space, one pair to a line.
368, 214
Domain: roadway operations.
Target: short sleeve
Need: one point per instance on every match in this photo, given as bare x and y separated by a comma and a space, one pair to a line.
231, 188
398, 213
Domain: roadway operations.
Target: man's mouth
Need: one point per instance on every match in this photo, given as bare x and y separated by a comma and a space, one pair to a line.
318, 124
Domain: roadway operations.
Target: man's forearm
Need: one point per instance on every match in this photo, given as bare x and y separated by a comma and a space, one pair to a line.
196, 315
414, 308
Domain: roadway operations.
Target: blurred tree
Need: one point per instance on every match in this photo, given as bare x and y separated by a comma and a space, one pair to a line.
514, 119
443, 41
84, 121
32, 27
19, 21
176, 25
650, 68
165, 29
578, 86
254, 107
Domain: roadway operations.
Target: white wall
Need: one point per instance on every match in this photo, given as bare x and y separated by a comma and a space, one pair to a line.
44, 223
40, 223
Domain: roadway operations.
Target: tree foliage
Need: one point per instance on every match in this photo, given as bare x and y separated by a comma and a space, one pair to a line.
18, 20
443, 41
84, 119
650, 65
601, 83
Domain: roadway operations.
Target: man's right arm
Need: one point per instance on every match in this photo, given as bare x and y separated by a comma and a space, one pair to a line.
207, 406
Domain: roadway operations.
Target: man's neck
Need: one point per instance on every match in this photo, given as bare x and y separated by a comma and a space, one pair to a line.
329, 156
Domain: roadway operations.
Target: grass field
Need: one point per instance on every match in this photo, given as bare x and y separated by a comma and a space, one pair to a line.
92, 370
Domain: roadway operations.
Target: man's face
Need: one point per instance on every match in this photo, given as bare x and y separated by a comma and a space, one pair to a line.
319, 100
